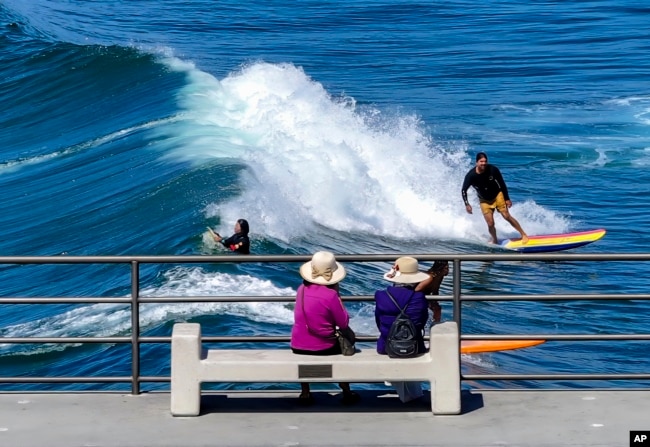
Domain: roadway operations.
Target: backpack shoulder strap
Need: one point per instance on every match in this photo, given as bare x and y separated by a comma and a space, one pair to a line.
401, 310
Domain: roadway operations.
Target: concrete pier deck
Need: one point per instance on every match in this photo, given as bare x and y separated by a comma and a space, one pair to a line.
489, 418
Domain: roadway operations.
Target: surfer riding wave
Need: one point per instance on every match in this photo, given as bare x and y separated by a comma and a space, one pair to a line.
492, 193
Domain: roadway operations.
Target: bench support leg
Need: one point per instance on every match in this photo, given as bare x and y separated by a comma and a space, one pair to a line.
185, 367
445, 382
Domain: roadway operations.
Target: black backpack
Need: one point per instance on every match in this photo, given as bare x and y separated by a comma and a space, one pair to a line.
403, 336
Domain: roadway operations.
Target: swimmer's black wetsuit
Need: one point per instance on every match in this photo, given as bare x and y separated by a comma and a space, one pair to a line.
239, 243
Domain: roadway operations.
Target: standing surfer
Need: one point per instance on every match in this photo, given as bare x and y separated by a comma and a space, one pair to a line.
492, 193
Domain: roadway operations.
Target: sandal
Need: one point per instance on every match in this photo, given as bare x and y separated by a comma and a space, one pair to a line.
306, 399
350, 398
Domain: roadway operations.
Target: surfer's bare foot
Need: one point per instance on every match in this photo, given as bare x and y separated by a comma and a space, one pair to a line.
492, 241
524, 239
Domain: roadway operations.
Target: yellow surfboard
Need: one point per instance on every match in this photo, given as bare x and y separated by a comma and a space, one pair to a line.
553, 242
478, 346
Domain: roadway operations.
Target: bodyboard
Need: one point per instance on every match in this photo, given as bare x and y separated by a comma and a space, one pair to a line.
212, 233
553, 242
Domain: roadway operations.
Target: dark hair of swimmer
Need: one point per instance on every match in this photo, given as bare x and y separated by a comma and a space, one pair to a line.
243, 224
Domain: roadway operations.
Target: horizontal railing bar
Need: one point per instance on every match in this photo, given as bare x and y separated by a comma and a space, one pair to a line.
291, 298
64, 340
563, 390
555, 376
385, 257
172, 299
287, 338
558, 297
73, 379
65, 300
57, 391
165, 339
167, 379
84, 379
558, 337
476, 377
224, 299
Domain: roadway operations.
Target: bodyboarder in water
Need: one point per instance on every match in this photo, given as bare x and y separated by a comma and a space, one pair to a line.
492, 193
238, 242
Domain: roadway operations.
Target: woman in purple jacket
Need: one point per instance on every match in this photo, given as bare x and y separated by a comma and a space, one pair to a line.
318, 312
405, 276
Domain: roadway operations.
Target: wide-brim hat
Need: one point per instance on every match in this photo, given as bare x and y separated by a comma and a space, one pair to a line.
406, 271
323, 269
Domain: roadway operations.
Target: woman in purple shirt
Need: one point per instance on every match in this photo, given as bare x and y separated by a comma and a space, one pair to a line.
318, 312
405, 276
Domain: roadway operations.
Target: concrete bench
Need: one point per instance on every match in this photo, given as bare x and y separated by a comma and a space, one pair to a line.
191, 365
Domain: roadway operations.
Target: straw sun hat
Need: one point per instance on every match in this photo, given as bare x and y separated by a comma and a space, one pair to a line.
406, 271
322, 269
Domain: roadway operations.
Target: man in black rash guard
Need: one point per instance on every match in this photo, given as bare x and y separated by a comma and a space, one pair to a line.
492, 193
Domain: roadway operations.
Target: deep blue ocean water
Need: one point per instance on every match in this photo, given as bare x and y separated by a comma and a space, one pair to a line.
127, 127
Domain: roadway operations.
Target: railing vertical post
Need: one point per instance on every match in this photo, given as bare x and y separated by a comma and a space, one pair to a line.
456, 295
135, 327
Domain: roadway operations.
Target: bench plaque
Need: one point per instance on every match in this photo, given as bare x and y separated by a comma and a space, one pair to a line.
314, 371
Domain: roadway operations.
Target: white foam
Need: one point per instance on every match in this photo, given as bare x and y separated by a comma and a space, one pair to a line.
313, 158
102, 320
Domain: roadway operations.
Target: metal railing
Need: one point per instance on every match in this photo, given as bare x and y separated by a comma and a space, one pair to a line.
135, 339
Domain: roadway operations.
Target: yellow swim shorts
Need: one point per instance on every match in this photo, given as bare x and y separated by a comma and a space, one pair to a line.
499, 203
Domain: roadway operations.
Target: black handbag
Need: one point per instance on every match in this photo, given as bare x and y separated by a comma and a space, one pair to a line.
346, 339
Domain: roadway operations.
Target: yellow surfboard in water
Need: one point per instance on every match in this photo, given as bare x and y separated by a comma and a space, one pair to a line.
553, 242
